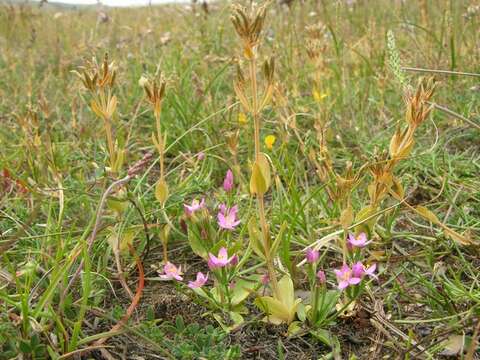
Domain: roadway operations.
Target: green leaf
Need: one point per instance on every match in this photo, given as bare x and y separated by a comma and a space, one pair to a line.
294, 328
286, 291
255, 238
196, 244
161, 191
179, 323
25, 347
302, 312
323, 336
117, 205
329, 303
283, 307
276, 311
243, 288
261, 178
236, 318
278, 240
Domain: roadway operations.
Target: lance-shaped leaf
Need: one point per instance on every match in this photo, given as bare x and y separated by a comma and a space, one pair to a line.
97, 109
430, 216
112, 105
278, 240
255, 238
239, 91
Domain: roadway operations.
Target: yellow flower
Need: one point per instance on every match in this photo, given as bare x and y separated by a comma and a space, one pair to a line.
242, 118
269, 141
318, 96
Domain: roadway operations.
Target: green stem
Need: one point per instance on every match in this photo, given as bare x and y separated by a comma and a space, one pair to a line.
315, 305
260, 199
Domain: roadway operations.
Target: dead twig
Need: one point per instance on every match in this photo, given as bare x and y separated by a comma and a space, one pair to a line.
454, 114
444, 72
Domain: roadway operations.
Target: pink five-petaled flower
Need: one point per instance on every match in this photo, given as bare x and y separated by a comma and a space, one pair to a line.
345, 277
359, 270
171, 272
312, 255
222, 260
227, 218
228, 181
360, 241
195, 206
199, 282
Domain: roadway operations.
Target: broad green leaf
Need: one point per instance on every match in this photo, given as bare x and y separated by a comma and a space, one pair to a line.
286, 291
273, 307
261, 177
236, 318
196, 244
242, 289
258, 185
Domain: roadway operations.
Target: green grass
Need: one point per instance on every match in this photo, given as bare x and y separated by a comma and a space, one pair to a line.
54, 175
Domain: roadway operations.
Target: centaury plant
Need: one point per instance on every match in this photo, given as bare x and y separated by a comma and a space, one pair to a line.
155, 92
248, 25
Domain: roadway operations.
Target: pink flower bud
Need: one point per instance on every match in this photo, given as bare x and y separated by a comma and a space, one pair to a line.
228, 181
312, 255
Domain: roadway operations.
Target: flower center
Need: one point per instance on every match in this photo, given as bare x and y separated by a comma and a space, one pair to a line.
346, 275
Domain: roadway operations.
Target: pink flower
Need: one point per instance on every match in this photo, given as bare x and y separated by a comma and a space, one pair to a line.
370, 271
360, 241
345, 277
322, 279
201, 156
359, 270
201, 280
228, 181
227, 218
171, 272
234, 260
195, 206
222, 260
312, 255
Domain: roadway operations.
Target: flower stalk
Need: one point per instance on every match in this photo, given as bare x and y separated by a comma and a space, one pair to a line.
155, 92
248, 26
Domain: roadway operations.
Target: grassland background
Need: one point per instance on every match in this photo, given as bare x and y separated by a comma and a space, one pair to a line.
196, 51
